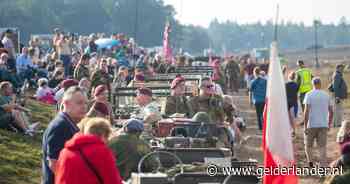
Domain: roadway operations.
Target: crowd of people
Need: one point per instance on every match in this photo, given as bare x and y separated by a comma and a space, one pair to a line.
80, 78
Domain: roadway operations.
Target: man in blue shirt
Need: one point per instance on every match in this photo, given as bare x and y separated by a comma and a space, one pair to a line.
257, 94
23, 61
24, 65
61, 129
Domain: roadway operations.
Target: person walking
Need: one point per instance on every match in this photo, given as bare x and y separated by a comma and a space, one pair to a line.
339, 89
318, 116
257, 95
304, 81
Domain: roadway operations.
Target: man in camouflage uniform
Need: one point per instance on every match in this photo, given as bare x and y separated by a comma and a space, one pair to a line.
208, 102
129, 150
149, 113
177, 102
214, 105
82, 71
232, 73
101, 77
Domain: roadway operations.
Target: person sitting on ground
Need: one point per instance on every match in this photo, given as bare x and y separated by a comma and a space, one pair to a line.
44, 93
88, 153
178, 102
129, 148
11, 116
343, 135
342, 163
6, 74
56, 78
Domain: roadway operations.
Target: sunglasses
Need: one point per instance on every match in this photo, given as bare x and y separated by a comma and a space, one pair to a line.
209, 86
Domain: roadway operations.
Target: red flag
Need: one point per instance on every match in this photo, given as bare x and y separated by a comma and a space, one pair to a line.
277, 132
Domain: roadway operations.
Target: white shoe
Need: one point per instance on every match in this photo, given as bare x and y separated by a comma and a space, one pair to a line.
33, 126
29, 133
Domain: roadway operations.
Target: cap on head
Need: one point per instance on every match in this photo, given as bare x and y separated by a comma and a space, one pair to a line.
140, 77
176, 82
102, 108
69, 83
99, 90
134, 125
144, 91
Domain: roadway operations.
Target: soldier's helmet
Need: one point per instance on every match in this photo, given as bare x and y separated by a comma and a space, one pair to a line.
201, 117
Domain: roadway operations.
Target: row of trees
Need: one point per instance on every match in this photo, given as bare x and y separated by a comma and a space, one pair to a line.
145, 20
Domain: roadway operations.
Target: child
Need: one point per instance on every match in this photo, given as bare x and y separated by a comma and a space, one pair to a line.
44, 93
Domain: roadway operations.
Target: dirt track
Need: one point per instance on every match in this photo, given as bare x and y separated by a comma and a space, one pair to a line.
252, 149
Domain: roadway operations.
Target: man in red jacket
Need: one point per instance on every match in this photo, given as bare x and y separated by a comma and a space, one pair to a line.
86, 158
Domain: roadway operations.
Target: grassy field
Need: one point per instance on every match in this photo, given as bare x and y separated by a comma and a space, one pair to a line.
20, 156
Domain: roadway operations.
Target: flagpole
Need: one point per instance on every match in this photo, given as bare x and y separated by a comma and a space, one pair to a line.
276, 23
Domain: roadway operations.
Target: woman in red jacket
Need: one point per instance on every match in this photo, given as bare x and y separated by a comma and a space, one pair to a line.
86, 158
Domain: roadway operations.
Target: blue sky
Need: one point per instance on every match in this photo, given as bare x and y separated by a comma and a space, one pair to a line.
201, 12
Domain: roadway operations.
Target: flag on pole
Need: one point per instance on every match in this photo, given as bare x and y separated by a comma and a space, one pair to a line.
277, 132
167, 52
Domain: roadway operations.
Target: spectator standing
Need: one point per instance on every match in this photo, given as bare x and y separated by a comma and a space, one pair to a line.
61, 129
232, 74
101, 77
249, 71
340, 93
10, 48
257, 95
318, 116
65, 51
82, 70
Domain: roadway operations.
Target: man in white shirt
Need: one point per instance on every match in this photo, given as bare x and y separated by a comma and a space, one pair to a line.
318, 116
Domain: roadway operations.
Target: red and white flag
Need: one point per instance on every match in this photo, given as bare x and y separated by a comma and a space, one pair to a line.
167, 51
277, 132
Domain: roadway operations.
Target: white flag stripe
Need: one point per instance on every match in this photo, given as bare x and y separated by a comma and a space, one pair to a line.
278, 129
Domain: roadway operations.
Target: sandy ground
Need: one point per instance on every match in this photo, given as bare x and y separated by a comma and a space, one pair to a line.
252, 150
